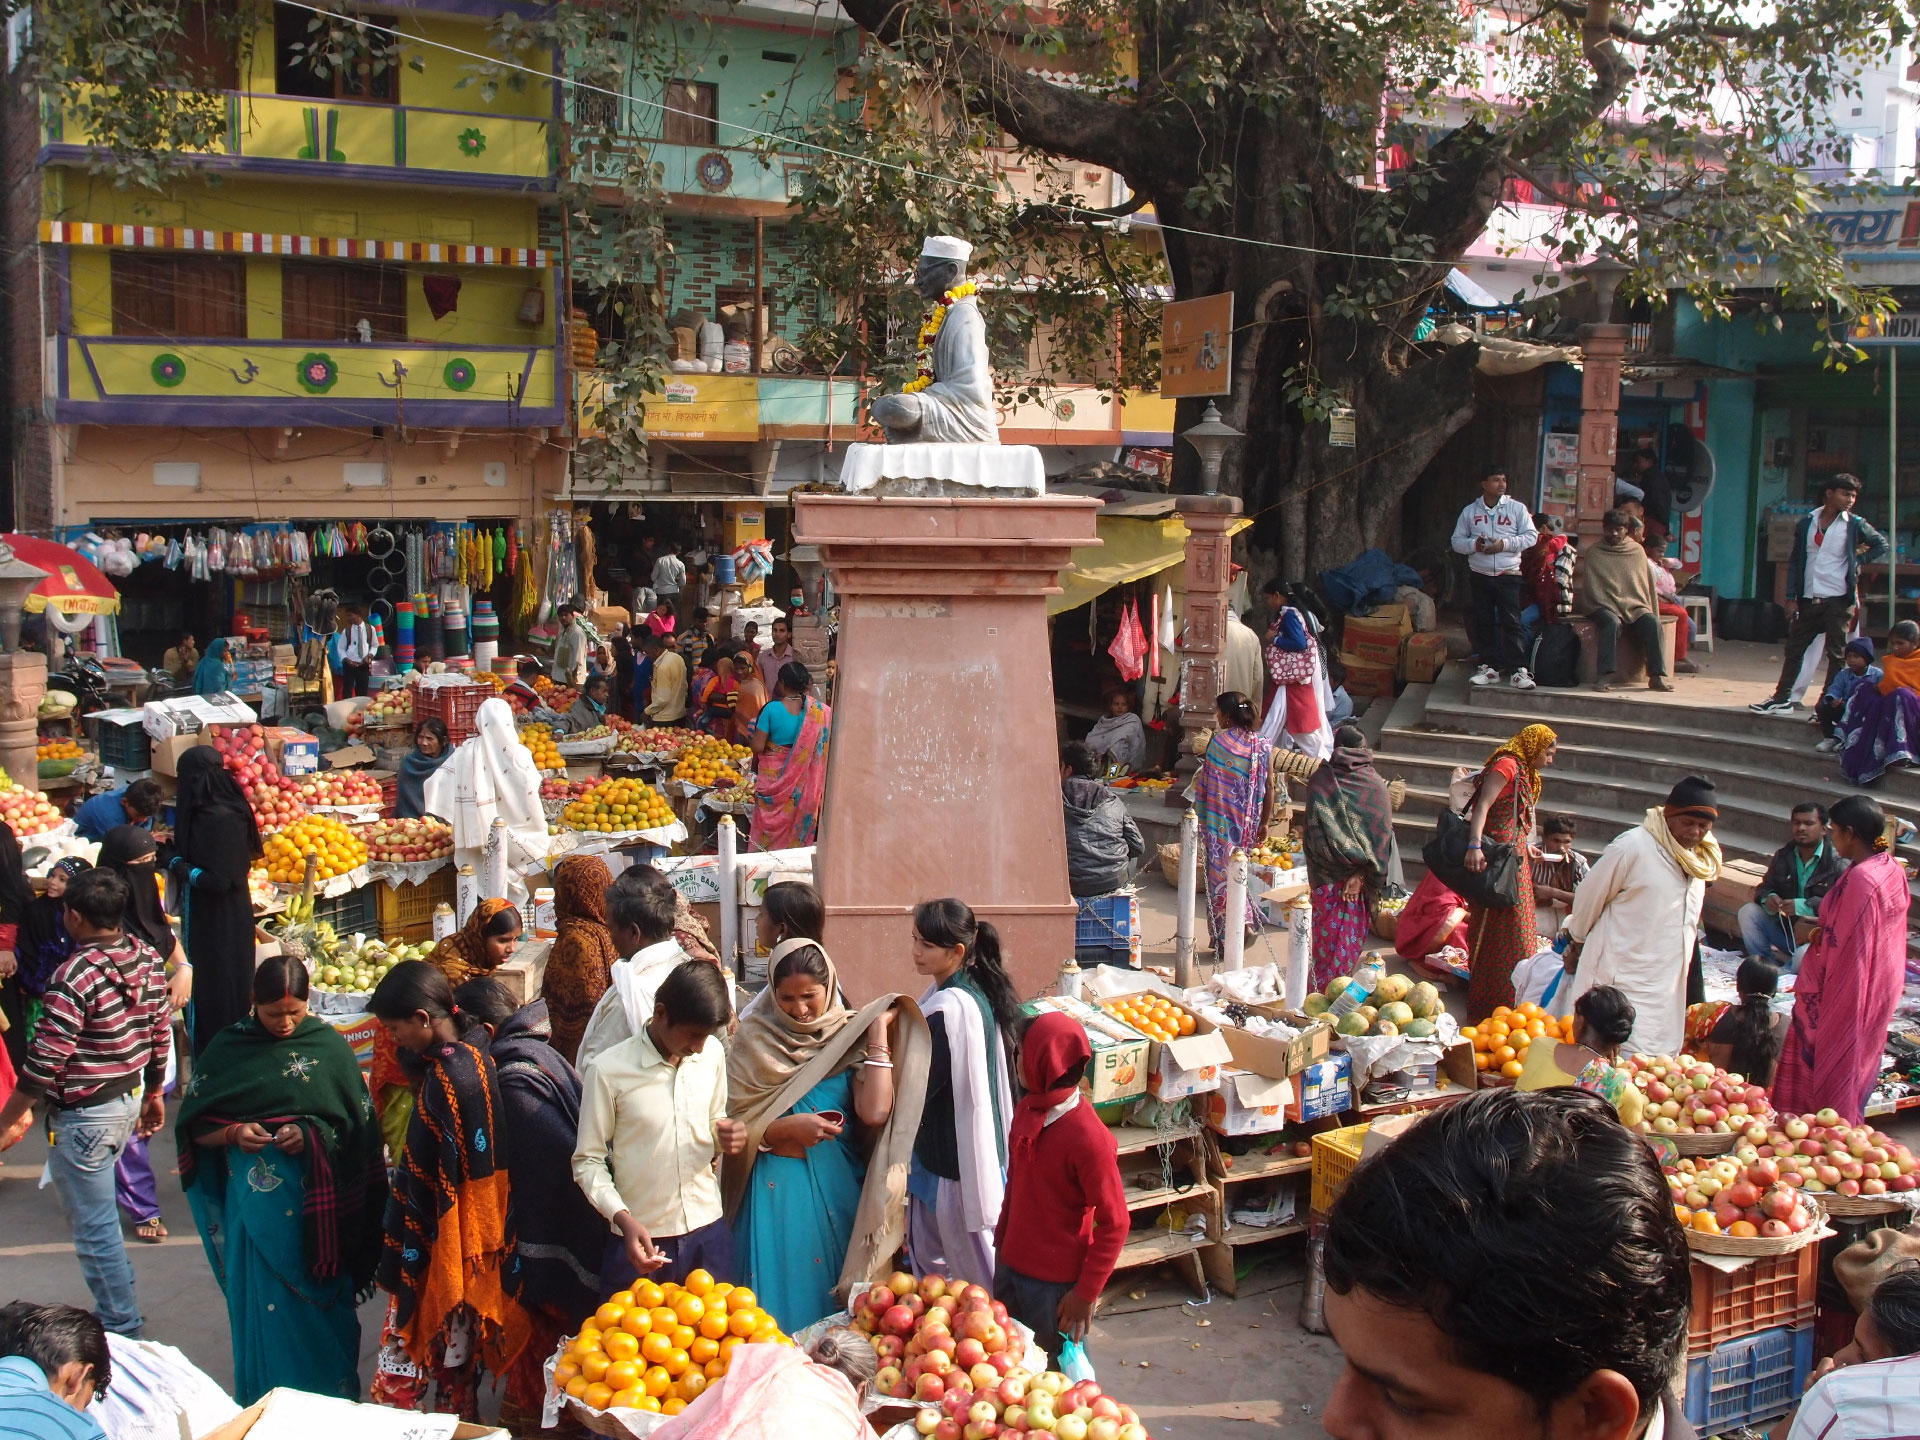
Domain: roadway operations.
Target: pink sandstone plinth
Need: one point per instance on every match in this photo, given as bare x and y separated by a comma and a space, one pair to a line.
944, 771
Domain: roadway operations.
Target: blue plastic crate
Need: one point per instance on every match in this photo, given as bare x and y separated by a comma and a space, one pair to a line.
1104, 922
1753, 1378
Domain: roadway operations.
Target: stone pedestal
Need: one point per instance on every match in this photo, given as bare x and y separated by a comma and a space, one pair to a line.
944, 773
1604, 348
23, 685
1209, 572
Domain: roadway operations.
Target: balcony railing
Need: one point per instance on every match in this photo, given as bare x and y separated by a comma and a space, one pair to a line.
122, 380
344, 138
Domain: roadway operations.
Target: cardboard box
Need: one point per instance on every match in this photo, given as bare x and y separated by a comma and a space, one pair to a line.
1187, 1066
1368, 678
379, 1423
1421, 658
294, 751
1372, 637
186, 714
347, 756
523, 971
1278, 1059
1248, 1104
1323, 1088
167, 753
1120, 1053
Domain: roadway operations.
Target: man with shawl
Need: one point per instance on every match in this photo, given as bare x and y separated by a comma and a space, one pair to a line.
215, 841
808, 1226
283, 1166
580, 964
214, 674
1636, 917
1348, 842
1617, 593
492, 776
1063, 1181
1505, 797
790, 748
1851, 980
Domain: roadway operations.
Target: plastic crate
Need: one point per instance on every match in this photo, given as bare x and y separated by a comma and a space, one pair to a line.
1335, 1153
1764, 1294
1107, 929
124, 746
452, 705
1753, 1378
352, 912
406, 911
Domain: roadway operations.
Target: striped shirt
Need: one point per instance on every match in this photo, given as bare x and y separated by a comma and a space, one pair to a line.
105, 1023
1879, 1400
30, 1409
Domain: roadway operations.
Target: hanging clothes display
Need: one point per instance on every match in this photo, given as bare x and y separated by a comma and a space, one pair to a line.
1129, 647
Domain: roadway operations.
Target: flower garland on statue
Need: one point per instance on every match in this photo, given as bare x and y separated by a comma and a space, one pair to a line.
930, 331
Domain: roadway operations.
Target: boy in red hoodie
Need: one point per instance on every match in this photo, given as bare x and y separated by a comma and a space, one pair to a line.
1063, 1181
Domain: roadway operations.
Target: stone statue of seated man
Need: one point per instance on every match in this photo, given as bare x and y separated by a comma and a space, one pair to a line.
952, 401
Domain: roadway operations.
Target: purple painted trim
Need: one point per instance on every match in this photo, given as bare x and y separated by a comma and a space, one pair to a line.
323, 170
63, 287
1148, 439
86, 354
449, 347
284, 410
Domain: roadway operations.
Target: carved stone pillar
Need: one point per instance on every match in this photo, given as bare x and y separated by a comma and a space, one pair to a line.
23, 685
1604, 346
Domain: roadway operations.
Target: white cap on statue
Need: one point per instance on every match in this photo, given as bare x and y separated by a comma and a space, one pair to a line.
946, 247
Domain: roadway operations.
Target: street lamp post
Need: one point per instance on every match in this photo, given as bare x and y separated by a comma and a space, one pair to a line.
1211, 437
1209, 518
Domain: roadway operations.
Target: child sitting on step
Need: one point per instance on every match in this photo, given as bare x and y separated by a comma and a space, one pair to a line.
1858, 670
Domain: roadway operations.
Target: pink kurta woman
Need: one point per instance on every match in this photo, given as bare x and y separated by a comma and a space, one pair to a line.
1851, 979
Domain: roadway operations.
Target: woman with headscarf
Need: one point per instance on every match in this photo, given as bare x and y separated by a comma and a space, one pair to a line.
16, 894
1118, 736
1636, 917
1851, 979
283, 1166
492, 776
580, 964
749, 699
214, 674
431, 747
1231, 795
789, 744
811, 1217
128, 851
1348, 844
1301, 700
1505, 796
41, 941
215, 842
558, 1230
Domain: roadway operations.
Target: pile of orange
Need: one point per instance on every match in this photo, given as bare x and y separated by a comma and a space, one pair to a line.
1153, 1016
656, 1347
337, 849
1500, 1041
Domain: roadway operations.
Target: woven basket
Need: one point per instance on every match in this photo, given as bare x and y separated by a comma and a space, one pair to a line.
1760, 1245
1707, 1144
1852, 1207
1294, 765
608, 1423
1170, 864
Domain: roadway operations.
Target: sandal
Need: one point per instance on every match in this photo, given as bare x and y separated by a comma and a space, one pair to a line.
152, 1231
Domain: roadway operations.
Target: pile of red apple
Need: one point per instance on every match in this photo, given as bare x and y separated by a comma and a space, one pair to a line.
389, 710
1824, 1153
1692, 1097
27, 812
341, 787
273, 797
1025, 1404
406, 842
1744, 1195
556, 788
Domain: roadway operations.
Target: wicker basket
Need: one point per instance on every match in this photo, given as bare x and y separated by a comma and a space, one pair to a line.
608, 1423
1856, 1207
1758, 1245
1170, 864
1702, 1144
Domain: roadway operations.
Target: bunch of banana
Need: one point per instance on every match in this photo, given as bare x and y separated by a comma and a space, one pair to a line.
299, 908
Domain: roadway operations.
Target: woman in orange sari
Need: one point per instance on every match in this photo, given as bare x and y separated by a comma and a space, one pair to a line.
789, 743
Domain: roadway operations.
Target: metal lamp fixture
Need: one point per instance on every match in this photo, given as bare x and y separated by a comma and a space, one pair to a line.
1210, 438
1604, 273
17, 579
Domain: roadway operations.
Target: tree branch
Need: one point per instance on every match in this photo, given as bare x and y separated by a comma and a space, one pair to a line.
1049, 214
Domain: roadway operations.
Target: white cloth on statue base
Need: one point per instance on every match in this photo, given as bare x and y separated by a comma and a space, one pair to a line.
924, 469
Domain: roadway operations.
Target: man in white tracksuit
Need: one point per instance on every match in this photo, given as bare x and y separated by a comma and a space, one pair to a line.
1492, 533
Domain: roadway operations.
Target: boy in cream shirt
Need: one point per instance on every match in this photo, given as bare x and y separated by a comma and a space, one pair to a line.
653, 1120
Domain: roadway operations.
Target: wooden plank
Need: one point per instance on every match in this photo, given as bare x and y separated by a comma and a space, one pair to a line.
1194, 1197
1264, 1167
1156, 1247
1255, 1234
1132, 1139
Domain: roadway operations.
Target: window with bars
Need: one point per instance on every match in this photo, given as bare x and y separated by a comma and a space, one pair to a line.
596, 110
324, 301
692, 114
179, 296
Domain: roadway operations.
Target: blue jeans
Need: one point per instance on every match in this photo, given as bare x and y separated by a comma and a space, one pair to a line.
1767, 937
86, 1143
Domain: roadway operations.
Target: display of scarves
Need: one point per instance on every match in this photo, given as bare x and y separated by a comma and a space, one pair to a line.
791, 784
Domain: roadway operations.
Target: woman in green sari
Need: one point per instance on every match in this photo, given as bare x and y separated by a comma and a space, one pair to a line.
281, 1158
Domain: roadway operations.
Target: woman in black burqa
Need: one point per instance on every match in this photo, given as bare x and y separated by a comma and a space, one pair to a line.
215, 841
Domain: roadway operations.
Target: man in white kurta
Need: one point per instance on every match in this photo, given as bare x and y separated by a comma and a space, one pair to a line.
1637, 915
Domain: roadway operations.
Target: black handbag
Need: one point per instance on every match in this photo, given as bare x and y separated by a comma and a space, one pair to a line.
1495, 888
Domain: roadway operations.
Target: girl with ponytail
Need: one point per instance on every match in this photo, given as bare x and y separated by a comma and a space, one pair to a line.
1744, 1038
1852, 976
958, 1179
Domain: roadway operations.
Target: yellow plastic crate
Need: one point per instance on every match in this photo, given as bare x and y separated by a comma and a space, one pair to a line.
1335, 1153
406, 911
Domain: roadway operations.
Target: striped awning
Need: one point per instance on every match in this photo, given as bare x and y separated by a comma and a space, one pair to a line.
251, 242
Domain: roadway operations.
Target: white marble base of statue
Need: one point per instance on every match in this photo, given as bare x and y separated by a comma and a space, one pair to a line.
942, 431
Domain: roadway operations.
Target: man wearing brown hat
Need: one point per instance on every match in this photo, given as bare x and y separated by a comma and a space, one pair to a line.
1636, 917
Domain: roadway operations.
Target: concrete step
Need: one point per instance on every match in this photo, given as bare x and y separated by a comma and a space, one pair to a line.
1600, 822
1547, 703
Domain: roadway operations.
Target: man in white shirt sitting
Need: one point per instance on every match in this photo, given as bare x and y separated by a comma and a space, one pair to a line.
1871, 1389
640, 905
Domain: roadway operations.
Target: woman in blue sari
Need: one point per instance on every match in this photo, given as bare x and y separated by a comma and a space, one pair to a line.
831, 1101
214, 673
281, 1158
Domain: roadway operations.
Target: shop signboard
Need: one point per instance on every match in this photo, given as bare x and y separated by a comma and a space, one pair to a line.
705, 407
1196, 346
1902, 327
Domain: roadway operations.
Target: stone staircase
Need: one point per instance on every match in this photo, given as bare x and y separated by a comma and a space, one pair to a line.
1619, 754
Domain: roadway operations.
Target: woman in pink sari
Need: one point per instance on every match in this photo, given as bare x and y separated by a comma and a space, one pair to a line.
789, 743
1851, 979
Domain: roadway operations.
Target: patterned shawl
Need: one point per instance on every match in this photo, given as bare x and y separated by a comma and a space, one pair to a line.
463, 955
449, 1227
1349, 825
1528, 749
581, 961
311, 1079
